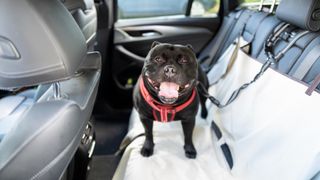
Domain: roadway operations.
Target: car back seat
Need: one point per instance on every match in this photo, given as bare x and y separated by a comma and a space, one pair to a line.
252, 105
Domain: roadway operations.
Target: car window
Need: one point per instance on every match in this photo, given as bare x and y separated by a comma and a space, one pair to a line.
205, 7
132, 9
128, 9
254, 4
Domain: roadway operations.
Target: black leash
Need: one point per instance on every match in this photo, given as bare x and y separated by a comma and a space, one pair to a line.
236, 92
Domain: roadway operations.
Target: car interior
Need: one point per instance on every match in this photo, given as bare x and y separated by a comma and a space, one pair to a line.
68, 69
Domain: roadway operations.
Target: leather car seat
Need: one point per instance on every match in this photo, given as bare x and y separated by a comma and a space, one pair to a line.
42, 45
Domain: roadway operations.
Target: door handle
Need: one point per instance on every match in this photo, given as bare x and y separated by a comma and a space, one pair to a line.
150, 34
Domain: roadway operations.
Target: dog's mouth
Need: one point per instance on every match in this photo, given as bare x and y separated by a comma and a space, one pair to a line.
168, 92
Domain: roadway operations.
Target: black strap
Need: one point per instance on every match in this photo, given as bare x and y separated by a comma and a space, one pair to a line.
224, 147
126, 142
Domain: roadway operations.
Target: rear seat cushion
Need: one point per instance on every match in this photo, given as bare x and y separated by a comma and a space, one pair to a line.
169, 161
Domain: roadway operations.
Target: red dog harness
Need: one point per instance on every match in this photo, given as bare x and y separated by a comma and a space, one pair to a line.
163, 109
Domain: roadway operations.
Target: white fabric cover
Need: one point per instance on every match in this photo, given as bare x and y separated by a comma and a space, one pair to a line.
225, 61
168, 161
272, 129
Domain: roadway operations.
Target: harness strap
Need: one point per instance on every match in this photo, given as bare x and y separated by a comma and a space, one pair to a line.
163, 110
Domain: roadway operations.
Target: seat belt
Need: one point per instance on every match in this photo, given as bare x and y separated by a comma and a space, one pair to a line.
307, 63
126, 142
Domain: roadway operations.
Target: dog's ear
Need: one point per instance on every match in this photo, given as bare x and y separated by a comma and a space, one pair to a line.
190, 47
154, 44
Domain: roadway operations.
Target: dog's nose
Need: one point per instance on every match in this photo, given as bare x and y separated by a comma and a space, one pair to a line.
170, 70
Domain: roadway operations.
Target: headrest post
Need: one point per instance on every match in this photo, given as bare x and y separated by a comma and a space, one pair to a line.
56, 91
261, 5
272, 6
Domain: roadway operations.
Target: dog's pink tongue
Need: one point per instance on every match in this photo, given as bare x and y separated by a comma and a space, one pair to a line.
169, 90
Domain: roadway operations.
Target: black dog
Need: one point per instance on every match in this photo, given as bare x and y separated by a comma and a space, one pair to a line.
166, 91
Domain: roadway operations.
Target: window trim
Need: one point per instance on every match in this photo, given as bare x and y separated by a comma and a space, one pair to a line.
189, 6
186, 15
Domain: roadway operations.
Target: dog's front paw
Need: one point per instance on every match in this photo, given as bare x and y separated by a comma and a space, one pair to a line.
147, 149
190, 151
146, 152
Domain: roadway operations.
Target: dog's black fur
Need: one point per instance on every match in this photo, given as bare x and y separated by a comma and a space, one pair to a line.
186, 71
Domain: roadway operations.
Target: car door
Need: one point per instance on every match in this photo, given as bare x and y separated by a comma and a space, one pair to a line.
141, 22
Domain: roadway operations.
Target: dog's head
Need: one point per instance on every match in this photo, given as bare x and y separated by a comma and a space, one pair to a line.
170, 71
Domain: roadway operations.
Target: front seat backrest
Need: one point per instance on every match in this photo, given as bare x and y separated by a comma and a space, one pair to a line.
41, 44
85, 14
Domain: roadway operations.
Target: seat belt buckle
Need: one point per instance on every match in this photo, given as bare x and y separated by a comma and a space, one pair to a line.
314, 85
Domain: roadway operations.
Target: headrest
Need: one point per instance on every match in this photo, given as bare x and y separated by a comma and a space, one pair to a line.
302, 13
78, 4
39, 43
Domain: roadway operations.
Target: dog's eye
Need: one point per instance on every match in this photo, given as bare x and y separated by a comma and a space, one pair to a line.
183, 60
159, 59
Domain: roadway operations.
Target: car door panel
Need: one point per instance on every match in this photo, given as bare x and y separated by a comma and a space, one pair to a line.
137, 39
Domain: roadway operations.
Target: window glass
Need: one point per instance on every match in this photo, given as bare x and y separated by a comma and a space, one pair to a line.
251, 1
205, 7
128, 9
254, 4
